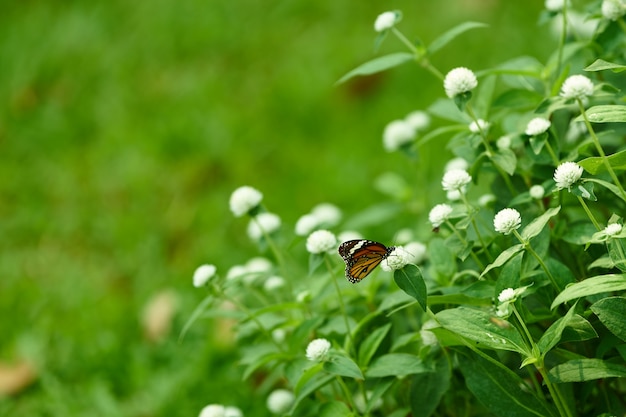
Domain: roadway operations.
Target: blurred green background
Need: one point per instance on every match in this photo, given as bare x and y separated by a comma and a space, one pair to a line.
125, 126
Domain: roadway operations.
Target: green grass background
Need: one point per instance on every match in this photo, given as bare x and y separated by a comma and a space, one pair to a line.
125, 126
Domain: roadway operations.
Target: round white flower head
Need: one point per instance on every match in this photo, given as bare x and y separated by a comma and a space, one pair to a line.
321, 241
397, 259
566, 174
349, 235
317, 350
504, 142
231, 411
278, 335
273, 283
478, 126
486, 199
417, 252
537, 126
507, 220
456, 163
418, 120
202, 274
577, 86
258, 265
397, 134
263, 223
280, 401
385, 21
244, 199
537, 192
327, 214
455, 180
306, 224
458, 81
213, 410
236, 271
613, 229
613, 9
554, 5
507, 294
439, 214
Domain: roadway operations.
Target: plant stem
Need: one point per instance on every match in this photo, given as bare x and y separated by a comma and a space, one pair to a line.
341, 305
589, 213
530, 250
465, 243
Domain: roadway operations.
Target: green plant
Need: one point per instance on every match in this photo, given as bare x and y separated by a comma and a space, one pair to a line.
515, 308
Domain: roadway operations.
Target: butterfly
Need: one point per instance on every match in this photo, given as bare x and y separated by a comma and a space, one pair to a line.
361, 257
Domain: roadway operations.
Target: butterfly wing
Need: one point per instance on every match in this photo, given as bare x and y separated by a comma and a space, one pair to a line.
361, 257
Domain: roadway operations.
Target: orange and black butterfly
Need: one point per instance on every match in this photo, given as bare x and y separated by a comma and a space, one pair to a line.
361, 257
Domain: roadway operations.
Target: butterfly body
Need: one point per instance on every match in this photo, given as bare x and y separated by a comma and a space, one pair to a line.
362, 256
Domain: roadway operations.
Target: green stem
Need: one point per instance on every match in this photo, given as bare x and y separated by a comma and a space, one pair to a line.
559, 402
470, 208
531, 342
346, 392
530, 250
589, 213
555, 160
596, 142
465, 243
279, 257
342, 306
562, 39
405, 41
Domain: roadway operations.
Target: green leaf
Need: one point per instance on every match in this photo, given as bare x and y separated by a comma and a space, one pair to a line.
606, 185
378, 64
577, 330
584, 190
371, 343
611, 312
595, 164
536, 226
552, 336
498, 389
601, 64
343, 366
606, 113
505, 159
335, 409
410, 280
537, 142
448, 36
510, 274
457, 299
504, 257
312, 383
315, 260
428, 388
477, 325
579, 370
591, 286
396, 364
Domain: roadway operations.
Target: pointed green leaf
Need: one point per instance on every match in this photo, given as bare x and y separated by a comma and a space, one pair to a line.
371, 343
428, 388
343, 366
505, 159
448, 36
504, 257
335, 409
410, 280
378, 64
396, 364
536, 226
595, 164
591, 286
552, 336
601, 64
579, 370
607, 185
611, 312
606, 113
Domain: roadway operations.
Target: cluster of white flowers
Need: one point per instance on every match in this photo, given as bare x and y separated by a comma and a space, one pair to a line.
537, 126
280, 401
613, 9
613, 229
439, 214
399, 133
254, 268
537, 192
417, 252
507, 220
203, 274
456, 180
322, 215
555, 5
507, 297
577, 87
567, 174
244, 200
321, 241
504, 142
386, 21
479, 126
263, 223
459, 81
273, 283
317, 350
397, 259
218, 410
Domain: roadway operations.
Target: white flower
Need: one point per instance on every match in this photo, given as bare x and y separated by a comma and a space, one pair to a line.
504, 142
613, 229
202, 274
385, 21
613, 9
454, 195
236, 271
232, 412
263, 223
403, 236
258, 265
306, 224
349, 235
574, 131
397, 259
396, 134
479, 126
486, 199
507, 220
279, 335
244, 199
327, 214
458, 81
213, 410
455, 180
577, 86
280, 401
439, 214
554, 5
456, 163
567, 174
273, 283
418, 120
417, 252
537, 192
317, 350
507, 294
428, 337
537, 126
321, 241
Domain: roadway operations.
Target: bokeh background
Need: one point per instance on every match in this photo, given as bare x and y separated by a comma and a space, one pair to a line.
125, 126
